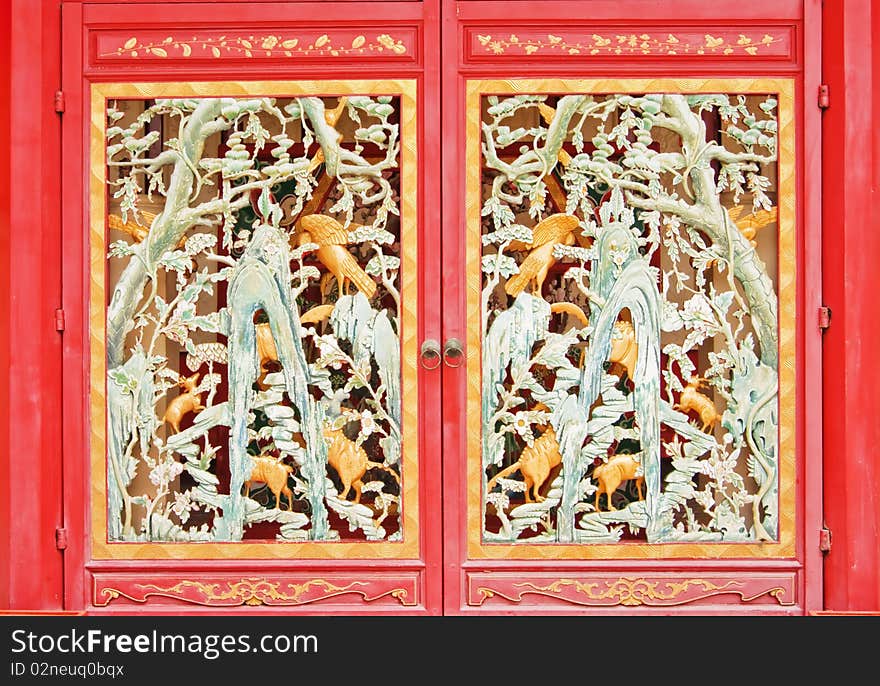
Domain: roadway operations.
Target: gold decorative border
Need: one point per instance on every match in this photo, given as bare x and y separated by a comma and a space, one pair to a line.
628, 44
409, 184
251, 591
787, 285
250, 46
631, 592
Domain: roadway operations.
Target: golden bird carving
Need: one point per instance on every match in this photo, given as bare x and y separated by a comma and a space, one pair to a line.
549, 232
332, 237
750, 223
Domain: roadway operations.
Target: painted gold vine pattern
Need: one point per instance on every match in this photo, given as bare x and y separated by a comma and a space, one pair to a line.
266, 45
631, 592
250, 591
627, 44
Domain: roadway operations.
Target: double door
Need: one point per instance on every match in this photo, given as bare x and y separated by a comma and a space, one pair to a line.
439, 307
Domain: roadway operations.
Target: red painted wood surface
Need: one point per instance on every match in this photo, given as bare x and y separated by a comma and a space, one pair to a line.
30, 246
844, 492
851, 249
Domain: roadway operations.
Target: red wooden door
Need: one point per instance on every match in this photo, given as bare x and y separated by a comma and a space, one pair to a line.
636, 424
264, 362
249, 270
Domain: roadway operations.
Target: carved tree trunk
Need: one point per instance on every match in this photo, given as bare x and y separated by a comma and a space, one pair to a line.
168, 228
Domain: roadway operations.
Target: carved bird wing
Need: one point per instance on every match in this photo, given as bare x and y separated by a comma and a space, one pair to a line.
553, 229
735, 212
530, 267
758, 219
324, 230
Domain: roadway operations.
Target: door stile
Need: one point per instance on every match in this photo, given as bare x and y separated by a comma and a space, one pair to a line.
74, 286
454, 319
811, 267
431, 303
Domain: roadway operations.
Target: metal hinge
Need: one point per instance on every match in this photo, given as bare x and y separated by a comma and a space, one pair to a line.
824, 540
824, 317
60, 320
61, 538
824, 97
59, 101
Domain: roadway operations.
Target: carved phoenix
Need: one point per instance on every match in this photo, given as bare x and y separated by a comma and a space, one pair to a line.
555, 229
332, 239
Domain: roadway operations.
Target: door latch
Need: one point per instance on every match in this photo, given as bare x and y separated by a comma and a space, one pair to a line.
453, 353
429, 357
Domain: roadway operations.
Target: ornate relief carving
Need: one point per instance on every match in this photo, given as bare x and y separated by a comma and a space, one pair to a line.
589, 337
630, 591
269, 325
250, 591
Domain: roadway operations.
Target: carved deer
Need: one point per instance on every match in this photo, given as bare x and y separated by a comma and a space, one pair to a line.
610, 475
692, 400
273, 473
351, 462
535, 463
183, 404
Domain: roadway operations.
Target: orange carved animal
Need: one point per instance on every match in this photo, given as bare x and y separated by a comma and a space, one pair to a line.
553, 230
274, 474
535, 464
183, 404
266, 350
624, 349
332, 239
749, 224
692, 400
351, 462
610, 475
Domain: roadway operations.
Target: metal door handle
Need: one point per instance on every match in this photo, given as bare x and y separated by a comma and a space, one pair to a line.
429, 357
453, 353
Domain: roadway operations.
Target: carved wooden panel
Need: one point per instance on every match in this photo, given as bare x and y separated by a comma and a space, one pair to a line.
621, 42
257, 245
631, 293
312, 44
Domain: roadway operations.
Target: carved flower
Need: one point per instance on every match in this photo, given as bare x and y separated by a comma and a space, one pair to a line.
522, 426
182, 506
368, 424
165, 472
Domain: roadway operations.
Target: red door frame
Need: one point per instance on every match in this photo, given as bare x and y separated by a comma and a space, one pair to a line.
851, 247
613, 16
83, 24
31, 572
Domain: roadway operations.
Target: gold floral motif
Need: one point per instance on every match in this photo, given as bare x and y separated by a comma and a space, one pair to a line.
250, 591
629, 44
257, 46
630, 592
